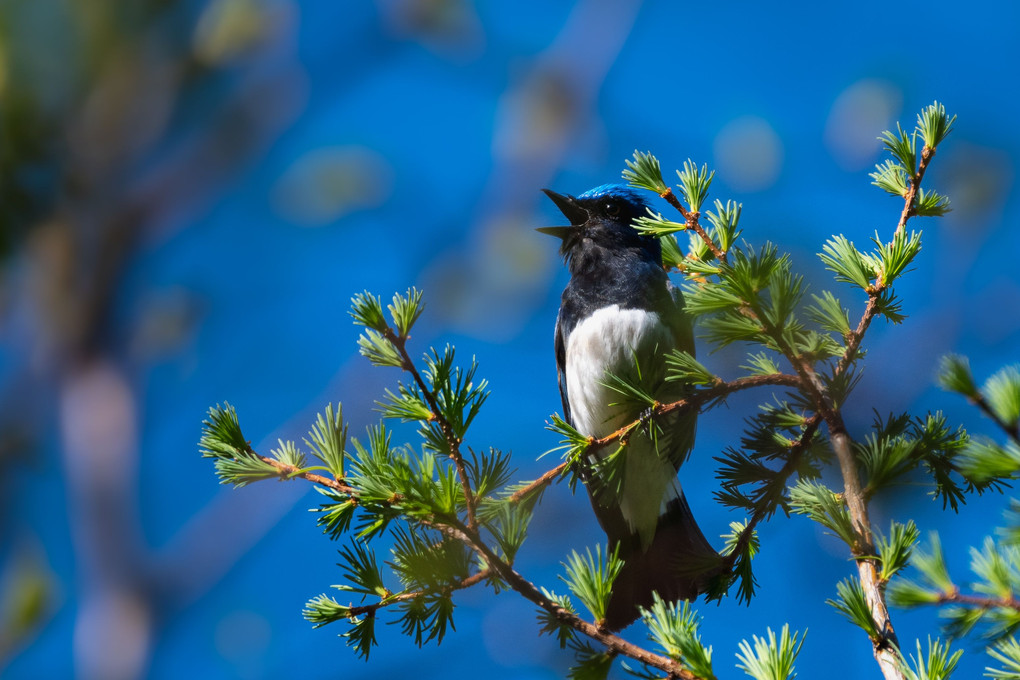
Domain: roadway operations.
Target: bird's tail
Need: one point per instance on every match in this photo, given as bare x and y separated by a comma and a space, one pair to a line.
678, 564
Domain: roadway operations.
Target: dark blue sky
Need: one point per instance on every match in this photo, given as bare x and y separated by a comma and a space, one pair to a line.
416, 139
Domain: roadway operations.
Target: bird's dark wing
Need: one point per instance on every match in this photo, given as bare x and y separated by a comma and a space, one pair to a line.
561, 367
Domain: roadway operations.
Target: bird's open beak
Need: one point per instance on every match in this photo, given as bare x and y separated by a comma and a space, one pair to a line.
570, 209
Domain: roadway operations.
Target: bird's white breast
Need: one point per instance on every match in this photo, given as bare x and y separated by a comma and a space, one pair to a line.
608, 341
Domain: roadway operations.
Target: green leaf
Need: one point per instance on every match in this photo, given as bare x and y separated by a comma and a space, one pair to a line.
644, 173
553, 625
288, 453
891, 177
761, 364
771, 659
931, 203
336, 514
683, 367
932, 565
674, 628
902, 146
823, 506
221, 434
850, 265
694, 184
374, 346
427, 617
1006, 652
328, 439
672, 258
359, 566
896, 549
367, 311
657, 225
1002, 391
592, 664
322, 609
829, 314
405, 310
934, 124
896, 255
590, 578
724, 220
954, 375
938, 664
852, 603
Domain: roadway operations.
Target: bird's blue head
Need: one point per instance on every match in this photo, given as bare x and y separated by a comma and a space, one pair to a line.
602, 218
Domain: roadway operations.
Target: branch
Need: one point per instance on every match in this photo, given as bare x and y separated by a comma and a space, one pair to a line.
495, 566
1012, 431
796, 451
696, 400
979, 601
444, 424
539, 483
692, 223
371, 609
927, 153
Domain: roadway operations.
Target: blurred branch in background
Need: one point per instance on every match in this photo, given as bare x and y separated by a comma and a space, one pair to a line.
117, 119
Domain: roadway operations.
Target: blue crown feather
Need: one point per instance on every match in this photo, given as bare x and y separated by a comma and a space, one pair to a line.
619, 191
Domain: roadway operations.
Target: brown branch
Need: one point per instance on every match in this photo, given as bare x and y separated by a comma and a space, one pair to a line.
470, 537
542, 481
371, 609
927, 153
979, 601
698, 399
692, 223
1012, 431
796, 451
290, 472
613, 643
451, 439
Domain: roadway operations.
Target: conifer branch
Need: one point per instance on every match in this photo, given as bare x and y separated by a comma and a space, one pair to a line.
784, 473
698, 399
979, 601
909, 209
291, 472
452, 440
372, 608
546, 479
1012, 430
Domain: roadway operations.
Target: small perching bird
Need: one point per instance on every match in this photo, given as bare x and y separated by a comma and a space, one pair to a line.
619, 316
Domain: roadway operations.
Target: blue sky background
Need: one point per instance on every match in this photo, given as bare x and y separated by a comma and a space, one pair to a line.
413, 140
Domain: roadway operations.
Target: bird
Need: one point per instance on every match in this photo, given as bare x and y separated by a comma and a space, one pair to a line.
619, 316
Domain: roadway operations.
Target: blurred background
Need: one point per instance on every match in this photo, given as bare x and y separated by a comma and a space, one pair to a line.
191, 192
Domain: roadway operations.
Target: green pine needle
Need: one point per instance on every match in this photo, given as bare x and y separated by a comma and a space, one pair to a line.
934, 124
1002, 392
1006, 652
674, 628
771, 659
590, 578
328, 439
954, 375
903, 147
896, 549
938, 664
644, 173
694, 184
724, 220
848, 264
657, 225
405, 310
852, 603
683, 367
891, 177
366, 309
553, 625
823, 506
829, 314
896, 255
930, 203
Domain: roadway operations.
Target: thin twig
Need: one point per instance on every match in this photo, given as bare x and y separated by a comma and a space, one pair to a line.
927, 153
697, 400
542, 481
692, 223
371, 609
1012, 431
451, 439
982, 602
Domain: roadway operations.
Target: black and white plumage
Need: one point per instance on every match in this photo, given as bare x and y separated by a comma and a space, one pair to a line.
620, 315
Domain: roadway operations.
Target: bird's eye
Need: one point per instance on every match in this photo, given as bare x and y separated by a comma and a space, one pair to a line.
611, 208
